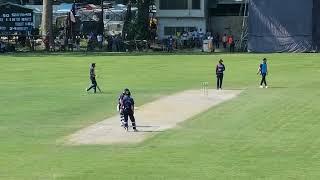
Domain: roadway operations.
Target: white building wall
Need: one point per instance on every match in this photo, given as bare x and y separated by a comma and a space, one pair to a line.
181, 18
181, 13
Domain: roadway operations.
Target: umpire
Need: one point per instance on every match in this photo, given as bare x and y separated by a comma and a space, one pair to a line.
128, 110
93, 78
220, 68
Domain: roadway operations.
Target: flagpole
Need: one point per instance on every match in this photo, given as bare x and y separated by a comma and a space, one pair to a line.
102, 16
73, 14
71, 27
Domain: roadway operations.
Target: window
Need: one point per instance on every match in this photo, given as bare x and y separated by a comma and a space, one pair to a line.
173, 4
196, 4
226, 10
174, 30
169, 31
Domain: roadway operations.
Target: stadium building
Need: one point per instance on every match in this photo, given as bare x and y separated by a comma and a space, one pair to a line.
180, 15
222, 16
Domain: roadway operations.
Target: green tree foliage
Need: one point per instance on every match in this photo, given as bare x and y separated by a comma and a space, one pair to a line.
137, 27
143, 30
128, 27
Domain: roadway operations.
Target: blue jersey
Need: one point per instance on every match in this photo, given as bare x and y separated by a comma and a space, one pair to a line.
170, 41
127, 102
120, 99
263, 68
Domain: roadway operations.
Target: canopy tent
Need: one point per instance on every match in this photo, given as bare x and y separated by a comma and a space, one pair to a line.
64, 8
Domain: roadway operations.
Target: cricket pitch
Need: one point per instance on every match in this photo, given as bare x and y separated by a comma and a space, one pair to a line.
152, 118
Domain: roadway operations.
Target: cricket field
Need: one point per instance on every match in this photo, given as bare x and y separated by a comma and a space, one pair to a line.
269, 133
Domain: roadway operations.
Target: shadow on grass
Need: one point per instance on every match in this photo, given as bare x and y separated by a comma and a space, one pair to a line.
148, 131
143, 131
278, 87
98, 93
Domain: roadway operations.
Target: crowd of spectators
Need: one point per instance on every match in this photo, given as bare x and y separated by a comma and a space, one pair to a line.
92, 42
115, 43
195, 38
2, 47
6, 47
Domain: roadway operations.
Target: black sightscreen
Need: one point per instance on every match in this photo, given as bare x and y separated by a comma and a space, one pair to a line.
280, 25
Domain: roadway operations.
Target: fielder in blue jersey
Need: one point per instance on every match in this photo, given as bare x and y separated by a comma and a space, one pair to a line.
263, 71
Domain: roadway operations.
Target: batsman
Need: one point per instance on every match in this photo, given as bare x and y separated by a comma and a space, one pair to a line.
128, 110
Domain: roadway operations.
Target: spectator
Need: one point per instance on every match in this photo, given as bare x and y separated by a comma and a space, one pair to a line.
109, 39
46, 43
194, 38
100, 41
170, 44
57, 42
201, 37
78, 40
91, 36
224, 41
32, 43
189, 39
217, 40
70, 44
179, 42
207, 35
153, 31
210, 43
185, 39
2, 47
63, 44
178, 34
120, 41
90, 42
231, 43
114, 43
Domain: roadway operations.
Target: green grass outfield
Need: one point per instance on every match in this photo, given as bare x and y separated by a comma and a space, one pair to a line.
263, 134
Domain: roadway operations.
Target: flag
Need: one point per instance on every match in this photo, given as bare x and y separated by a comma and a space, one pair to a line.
72, 13
72, 17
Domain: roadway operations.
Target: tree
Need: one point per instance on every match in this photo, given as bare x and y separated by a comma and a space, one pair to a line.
128, 31
47, 23
143, 30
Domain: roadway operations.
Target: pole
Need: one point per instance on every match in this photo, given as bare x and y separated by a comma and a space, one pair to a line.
101, 19
244, 25
71, 23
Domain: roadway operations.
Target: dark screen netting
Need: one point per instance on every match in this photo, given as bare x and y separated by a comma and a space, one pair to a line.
316, 24
280, 25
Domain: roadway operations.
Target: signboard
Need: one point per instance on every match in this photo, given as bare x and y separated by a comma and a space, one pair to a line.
15, 19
